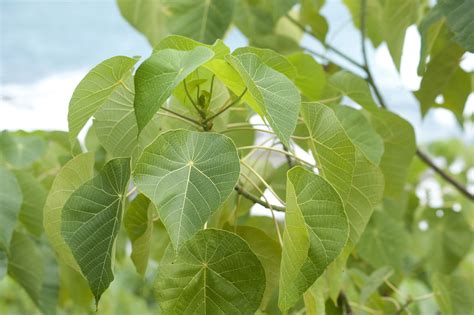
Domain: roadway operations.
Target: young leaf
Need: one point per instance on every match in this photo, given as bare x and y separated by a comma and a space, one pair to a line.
138, 222
97, 88
11, 199
316, 231
73, 174
160, 74
90, 221
274, 93
201, 20
214, 272
187, 175
399, 148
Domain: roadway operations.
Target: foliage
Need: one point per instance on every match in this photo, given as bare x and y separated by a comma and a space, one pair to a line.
220, 214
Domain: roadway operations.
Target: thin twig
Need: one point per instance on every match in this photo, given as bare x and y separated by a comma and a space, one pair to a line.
342, 300
192, 101
424, 157
255, 199
264, 182
279, 151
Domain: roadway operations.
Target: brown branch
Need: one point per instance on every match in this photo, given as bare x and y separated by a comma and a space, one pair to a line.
342, 300
240, 190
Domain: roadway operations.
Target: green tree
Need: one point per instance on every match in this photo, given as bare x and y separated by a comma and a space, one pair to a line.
174, 171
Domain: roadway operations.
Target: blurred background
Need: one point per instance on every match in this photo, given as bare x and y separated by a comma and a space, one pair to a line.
47, 46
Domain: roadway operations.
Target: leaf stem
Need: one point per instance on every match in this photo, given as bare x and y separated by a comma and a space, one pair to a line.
181, 116
264, 182
279, 151
200, 112
224, 108
255, 199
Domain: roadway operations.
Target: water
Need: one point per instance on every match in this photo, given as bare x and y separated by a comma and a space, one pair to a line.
48, 46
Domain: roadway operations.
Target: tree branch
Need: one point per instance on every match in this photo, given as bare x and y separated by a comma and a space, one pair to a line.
240, 190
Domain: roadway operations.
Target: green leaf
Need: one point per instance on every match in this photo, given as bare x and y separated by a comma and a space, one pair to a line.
385, 242
444, 62
373, 282
446, 241
316, 231
34, 197
358, 181
453, 294
183, 43
361, 133
35, 269
310, 77
104, 83
459, 14
274, 93
397, 16
21, 150
353, 87
73, 174
374, 18
429, 29
309, 15
331, 147
268, 252
271, 59
187, 175
214, 272
138, 222
3, 264
90, 221
148, 17
399, 148
11, 199
281, 7
254, 18
202, 20
160, 74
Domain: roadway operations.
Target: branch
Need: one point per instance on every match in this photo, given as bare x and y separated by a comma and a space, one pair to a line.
181, 116
424, 157
240, 190
342, 300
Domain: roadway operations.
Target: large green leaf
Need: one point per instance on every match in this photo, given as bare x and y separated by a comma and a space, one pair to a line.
274, 93
429, 28
353, 87
361, 133
385, 242
21, 150
34, 197
331, 147
90, 221
310, 15
73, 174
316, 231
160, 74
187, 175
105, 82
397, 16
373, 18
446, 241
268, 252
138, 222
11, 199
453, 294
310, 78
459, 14
254, 17
214, 272
184, 43
440, 73
148, 17
35, 269
399, 148
202, 20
